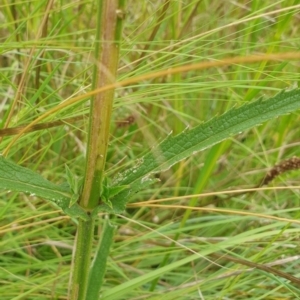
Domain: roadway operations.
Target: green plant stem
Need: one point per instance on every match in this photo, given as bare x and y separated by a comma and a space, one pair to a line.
81, 263
109, 21
107, 55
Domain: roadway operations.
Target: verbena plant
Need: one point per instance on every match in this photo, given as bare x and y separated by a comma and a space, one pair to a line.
102, 193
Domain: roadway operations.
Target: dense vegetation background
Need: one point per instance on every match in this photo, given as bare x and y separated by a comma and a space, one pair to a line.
47, 57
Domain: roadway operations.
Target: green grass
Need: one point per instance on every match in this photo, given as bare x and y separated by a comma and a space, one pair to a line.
37, 239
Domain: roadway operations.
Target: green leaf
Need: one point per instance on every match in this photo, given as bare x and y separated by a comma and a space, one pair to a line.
76, 211
114, 190
74, 199
123, 195
75, 185
19, 179
97, 271
70, 179
176, 148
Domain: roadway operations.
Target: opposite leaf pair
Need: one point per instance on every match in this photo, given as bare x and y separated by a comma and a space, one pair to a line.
114, 197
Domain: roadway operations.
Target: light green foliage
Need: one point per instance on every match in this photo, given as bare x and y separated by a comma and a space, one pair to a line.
104, 193
107, 192
51, 45
75, 211
75, 185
